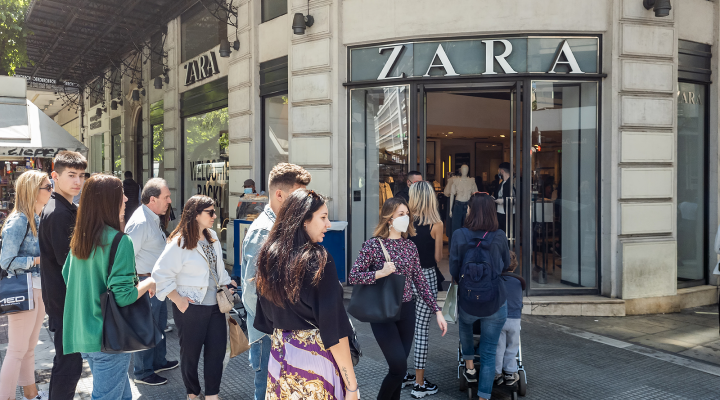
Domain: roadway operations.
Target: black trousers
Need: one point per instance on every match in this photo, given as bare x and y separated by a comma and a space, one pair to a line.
201, 326
66, 368
395, 340
502, 222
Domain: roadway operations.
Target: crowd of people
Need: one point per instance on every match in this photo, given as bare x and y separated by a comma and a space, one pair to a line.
83, 236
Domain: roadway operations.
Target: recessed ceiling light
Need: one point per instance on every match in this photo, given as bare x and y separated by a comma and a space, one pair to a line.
450, 133
502, 135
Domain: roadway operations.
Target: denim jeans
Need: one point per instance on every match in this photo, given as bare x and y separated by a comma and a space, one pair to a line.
147, 361
259, 358
491, 327
110, 375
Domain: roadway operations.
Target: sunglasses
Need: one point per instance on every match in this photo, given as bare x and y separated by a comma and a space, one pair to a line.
46, 187
211, 212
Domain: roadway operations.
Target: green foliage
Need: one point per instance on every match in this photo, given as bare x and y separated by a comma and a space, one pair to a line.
206, 135
13, 34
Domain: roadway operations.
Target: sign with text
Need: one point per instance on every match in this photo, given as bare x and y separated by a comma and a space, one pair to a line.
201, 67
452, 58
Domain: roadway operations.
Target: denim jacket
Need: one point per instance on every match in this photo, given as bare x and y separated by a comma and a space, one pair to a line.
12, 235
254, 239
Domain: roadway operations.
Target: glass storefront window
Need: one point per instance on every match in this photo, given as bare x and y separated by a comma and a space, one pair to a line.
97, 153
205, 164
380, 148
200, 31
691, 192
116, 140
564, 184
158, 151
275, 140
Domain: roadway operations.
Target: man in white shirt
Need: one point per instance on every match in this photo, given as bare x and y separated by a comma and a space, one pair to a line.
145, 229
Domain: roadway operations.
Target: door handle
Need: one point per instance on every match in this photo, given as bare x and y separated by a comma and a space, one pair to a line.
510, 218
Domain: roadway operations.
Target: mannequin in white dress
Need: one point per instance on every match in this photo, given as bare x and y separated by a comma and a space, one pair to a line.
462, 189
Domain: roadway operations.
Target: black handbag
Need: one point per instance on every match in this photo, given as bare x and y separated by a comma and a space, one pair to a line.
16, 290
127, 329
380, 302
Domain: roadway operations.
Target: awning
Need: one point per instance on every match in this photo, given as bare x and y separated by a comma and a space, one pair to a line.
26, 131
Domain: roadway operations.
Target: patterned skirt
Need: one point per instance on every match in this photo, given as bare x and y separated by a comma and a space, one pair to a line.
301, 368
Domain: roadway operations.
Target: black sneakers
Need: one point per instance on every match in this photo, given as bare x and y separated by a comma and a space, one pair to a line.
152, 380
471, 376
168, 366
427, 389
510, 379
408, 380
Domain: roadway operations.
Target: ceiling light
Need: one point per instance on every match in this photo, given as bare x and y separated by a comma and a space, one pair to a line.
502, 135
450, 133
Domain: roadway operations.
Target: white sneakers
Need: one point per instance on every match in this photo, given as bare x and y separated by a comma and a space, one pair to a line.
42, 395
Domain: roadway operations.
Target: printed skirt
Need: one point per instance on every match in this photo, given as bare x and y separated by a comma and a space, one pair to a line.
301, 368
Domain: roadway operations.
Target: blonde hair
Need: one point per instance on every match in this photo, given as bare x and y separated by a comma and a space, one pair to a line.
27, 188
388, 209
423, 203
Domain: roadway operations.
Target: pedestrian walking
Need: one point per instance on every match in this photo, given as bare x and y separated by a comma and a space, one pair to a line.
395, 337
189, 272
284, 179
146, 231
21, 254
87, 278
480, 234
429, 242
56, 227
132, 191
506, 365
301, 304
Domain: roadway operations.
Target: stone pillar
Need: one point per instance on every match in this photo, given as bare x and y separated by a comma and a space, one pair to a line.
171, 116
645, 136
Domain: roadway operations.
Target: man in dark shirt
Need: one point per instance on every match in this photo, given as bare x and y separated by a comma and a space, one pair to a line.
132, 192
412, 177
56, 224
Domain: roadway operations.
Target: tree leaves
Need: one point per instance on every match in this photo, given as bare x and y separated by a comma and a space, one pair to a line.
13, 32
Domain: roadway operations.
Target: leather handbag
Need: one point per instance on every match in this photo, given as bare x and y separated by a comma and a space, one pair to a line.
126, 329
379, 302
225, 299
238, 341
16, 290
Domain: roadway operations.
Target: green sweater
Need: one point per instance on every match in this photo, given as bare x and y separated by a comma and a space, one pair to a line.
86, 280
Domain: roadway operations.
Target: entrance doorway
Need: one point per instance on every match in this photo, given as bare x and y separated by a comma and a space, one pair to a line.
543, 132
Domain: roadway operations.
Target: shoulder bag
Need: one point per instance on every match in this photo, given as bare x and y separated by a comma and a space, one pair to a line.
126, 329
379, 302
16, 291
225, 299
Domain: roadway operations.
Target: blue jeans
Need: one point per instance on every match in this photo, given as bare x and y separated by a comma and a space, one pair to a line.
259, 357
110, 375
147, 361
491, 327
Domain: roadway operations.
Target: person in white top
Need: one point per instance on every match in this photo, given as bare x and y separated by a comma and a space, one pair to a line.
504, 191
144, 228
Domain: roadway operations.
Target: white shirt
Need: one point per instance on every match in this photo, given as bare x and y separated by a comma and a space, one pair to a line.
148, 239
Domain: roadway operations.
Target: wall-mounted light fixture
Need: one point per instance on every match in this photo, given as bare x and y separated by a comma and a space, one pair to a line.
225, 47
98, 112
661, 7
300, 22
158, 82
136, 95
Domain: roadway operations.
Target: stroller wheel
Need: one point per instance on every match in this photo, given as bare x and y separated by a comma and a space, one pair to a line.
514, 396
463, 383
522, 383
470, 393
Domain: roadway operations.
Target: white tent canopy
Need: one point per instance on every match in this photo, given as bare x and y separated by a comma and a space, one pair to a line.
26, 131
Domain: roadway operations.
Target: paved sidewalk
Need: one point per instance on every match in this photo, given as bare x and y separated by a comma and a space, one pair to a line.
562, 362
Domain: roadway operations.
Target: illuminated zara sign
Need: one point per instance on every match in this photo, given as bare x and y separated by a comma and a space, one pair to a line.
482, 57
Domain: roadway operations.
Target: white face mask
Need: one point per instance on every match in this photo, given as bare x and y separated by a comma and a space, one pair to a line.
401, 223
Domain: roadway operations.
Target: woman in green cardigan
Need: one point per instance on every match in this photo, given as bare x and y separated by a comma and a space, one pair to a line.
86, 276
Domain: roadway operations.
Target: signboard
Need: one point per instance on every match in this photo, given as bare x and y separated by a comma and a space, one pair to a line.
491, 56
201, 67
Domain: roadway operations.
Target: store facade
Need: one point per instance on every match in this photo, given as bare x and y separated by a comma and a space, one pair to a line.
605, 113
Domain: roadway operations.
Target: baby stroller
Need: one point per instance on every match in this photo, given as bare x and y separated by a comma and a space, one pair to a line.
518, 388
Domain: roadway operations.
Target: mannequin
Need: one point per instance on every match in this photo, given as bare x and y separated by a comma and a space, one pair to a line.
462, 189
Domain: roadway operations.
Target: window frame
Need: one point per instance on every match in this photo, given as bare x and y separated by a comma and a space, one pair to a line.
263, 5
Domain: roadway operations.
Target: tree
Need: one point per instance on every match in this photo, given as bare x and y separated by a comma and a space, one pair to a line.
13, 34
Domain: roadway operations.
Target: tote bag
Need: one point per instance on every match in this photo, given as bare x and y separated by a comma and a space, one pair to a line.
16, 291
126, 329
449, 309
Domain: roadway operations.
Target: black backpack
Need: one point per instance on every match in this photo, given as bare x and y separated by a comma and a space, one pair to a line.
479, 283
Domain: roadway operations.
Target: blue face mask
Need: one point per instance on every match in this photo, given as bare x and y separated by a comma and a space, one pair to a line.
248, 190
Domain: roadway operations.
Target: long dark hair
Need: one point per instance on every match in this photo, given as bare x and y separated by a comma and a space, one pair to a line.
101, 199
482, 215
288, 252
187, 228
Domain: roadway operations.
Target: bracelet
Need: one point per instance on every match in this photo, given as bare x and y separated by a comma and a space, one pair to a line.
352, 391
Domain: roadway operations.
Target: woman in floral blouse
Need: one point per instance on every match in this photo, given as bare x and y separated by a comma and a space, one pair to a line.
395, 338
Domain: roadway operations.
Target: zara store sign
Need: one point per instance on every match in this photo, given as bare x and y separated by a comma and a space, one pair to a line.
201, 67
492, 56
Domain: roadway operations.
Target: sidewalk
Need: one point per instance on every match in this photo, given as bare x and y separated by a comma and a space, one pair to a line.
563, 359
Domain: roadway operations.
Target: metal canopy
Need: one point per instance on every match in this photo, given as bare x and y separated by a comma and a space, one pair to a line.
76, 40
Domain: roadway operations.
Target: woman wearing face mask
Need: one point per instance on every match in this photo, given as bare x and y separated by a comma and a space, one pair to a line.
395, 338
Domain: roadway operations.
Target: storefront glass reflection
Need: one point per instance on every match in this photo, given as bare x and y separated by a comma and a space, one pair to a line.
276, 131
205, 163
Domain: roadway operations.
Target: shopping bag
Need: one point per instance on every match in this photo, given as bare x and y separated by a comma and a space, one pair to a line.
449, 309
238, 341
16, 293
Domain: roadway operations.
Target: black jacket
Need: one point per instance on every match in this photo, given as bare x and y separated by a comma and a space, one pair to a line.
404, 194
132, 192
57, 222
